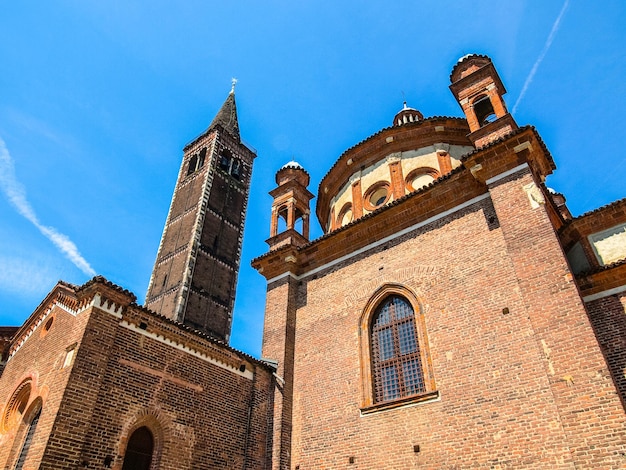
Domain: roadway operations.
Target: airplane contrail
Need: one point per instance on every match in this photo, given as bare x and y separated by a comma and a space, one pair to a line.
16, 194
546, 46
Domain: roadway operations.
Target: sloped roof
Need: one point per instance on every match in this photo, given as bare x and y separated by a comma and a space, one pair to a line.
227, 117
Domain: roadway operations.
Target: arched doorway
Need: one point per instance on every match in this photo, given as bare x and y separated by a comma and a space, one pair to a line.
139, 450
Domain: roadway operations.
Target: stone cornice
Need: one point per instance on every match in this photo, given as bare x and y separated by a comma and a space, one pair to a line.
603, 282
104, 296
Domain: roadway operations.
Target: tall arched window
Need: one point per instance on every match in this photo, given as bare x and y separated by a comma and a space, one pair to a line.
398, 370
139, 450
396, 361
32, 426
201, 158
235, 169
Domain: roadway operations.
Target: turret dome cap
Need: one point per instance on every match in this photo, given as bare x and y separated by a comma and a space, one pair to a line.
292, 164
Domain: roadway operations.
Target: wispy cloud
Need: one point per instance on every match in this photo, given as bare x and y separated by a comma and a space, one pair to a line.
546, 46
16, 194
24, 276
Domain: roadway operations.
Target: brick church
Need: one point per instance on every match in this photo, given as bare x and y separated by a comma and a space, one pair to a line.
453, 315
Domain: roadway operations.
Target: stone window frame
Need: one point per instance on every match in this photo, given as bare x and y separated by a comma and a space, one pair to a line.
70, 356
368, 401
371, 190
47, 325
423, 170
602, 235
20, 399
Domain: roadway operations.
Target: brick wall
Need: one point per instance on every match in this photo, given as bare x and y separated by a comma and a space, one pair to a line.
520, 378
38, 357
207, 406
608, 317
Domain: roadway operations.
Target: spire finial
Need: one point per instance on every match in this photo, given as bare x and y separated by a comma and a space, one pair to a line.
233, 81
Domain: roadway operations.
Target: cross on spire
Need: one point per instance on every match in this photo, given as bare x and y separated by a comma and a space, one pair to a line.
233, 81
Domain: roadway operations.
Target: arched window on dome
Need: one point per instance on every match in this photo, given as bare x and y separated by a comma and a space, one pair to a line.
139, 450
420, 177
377, 195
345, 215
396, 359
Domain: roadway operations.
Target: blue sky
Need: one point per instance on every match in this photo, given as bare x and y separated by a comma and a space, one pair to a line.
97, 100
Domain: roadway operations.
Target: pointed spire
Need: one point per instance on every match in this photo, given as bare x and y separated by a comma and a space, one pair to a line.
227, 115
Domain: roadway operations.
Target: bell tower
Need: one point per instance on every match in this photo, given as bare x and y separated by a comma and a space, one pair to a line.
195, 273
477, 87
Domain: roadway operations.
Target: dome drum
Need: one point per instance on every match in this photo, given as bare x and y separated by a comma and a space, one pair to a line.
388, 165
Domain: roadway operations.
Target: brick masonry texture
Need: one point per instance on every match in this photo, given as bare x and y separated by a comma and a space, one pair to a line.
608, 317
124, 377
501, 378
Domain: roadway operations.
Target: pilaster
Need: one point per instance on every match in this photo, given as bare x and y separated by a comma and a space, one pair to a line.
574, 364
279, 346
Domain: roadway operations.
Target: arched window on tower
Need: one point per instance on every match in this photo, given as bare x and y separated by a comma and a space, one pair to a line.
139, 450
193, 162
298, 223
225, 160
483, 109
281, 222
201, 158
235, 170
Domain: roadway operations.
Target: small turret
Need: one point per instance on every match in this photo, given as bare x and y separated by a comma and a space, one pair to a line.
290, 209
407, 115
477, 87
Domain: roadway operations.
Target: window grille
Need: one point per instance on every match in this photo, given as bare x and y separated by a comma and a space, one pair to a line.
27, 441
396, 361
